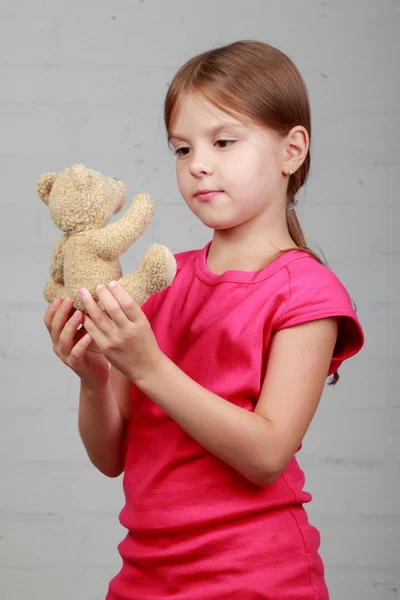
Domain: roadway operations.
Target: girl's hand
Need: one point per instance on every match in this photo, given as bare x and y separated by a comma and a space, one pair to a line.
123, 334
74, 346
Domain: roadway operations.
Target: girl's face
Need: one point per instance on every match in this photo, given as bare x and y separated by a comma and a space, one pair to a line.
236, 163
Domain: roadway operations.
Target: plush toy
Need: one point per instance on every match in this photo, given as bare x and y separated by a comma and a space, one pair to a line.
81, 201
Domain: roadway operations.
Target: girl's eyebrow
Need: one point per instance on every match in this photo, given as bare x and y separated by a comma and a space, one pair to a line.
212, 131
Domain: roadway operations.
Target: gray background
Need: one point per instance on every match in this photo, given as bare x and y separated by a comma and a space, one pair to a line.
84, 81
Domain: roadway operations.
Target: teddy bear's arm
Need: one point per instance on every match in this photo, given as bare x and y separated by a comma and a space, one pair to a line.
57, 261
115, 239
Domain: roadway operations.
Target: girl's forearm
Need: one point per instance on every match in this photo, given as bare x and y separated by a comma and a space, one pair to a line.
243, 439
102, 428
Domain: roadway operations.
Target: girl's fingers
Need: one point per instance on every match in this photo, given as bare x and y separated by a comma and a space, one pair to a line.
112, 306
130, 308
60, 318
94, 332
68, 334
99, 318
79, 350
50, 312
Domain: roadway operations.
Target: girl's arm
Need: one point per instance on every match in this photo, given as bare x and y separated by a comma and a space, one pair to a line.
258, 444
104, 414
104, 404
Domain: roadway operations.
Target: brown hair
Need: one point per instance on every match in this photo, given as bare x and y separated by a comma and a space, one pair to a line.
271, 92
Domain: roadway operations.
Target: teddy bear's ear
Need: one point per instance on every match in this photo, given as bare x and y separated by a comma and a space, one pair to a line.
44, 186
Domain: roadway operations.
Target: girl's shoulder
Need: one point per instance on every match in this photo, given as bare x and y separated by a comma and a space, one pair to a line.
314, 291
314, 283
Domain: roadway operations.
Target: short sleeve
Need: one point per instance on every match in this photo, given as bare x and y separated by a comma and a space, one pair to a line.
315, 292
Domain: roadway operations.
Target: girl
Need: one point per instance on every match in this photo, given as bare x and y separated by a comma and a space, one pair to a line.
214, 381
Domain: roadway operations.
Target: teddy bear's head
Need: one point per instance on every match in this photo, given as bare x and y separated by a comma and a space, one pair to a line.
80, 198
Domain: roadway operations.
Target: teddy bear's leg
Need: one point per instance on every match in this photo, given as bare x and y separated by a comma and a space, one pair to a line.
53, 290
156, 272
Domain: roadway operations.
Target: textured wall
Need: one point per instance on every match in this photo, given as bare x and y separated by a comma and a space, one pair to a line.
84, 81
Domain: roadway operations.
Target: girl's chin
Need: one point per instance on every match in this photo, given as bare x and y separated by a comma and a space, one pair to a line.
214, 217
219, 224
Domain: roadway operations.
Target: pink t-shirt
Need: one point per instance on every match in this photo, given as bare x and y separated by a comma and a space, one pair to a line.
198, 529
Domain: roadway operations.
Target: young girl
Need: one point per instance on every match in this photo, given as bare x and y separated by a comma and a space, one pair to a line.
214, 381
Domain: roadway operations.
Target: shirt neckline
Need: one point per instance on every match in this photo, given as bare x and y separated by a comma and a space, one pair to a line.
235, 276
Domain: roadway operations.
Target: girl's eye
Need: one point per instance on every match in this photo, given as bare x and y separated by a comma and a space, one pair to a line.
224, 143
185, 150
182, 151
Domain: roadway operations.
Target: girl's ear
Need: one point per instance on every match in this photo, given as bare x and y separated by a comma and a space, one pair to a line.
44, 186
297, 144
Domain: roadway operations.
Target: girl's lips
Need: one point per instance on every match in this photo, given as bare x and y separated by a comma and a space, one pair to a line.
206, 196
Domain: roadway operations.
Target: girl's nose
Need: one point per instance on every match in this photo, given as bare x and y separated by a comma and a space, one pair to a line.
199, 167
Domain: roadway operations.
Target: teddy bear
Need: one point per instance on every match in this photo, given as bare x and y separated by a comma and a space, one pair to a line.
81, 201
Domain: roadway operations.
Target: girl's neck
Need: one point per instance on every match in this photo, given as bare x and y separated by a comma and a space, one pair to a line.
252, 244
231, 250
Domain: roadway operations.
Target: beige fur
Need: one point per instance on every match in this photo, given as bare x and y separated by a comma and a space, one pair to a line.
81, 201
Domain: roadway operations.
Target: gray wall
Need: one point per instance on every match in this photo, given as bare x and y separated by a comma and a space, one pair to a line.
84, 81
